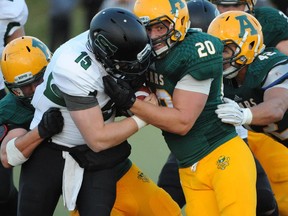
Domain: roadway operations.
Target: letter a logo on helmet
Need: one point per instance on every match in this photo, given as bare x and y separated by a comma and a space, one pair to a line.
245, 24
174, 7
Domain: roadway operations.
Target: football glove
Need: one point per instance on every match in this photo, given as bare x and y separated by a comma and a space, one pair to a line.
52, 123
231, 113
120, 92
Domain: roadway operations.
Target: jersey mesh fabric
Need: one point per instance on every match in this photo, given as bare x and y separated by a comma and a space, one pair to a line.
274, 25
14, 111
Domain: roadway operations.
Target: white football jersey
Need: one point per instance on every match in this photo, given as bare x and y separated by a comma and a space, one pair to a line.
75, 71
13, 15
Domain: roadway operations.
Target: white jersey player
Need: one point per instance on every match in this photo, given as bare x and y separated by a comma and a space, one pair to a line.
67, 73
116, 44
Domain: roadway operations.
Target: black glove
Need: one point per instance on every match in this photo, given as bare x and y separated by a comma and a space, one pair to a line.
137, 82
120, 92
52, 123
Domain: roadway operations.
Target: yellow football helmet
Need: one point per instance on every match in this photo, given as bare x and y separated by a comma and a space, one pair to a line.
249, 3
242, 30
24, 61
154, 12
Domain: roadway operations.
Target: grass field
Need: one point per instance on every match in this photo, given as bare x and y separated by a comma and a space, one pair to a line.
149, 151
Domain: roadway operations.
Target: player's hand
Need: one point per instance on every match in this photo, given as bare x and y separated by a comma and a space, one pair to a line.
151, 98
120, 92
230, 112
52, 123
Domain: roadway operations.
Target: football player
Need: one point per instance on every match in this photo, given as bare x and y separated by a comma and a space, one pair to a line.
187, 78
23, 63
202, 13
86, 160
274, 36
257, 80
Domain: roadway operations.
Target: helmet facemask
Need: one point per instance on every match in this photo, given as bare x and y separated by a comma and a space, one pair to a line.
239, 31
235, 67
17, 88
164, 38
158, 12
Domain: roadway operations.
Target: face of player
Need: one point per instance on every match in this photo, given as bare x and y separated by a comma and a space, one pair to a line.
27, 90
157, 31
228, 52
234, 7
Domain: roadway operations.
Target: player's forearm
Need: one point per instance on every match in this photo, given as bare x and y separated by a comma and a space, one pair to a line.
18, 145
28, 142
264, 115
111, 134
167, 119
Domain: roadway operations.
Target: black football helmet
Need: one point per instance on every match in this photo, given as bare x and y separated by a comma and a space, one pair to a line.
120, 42
201, 13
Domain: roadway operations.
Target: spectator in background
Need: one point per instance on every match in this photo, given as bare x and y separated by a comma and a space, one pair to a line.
13, 16
60, 16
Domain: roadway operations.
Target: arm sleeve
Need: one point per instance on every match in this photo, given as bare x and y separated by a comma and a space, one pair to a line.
75, 103
276, 76
189, 83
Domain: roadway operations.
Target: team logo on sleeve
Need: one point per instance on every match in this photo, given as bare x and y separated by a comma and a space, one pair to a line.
222, 162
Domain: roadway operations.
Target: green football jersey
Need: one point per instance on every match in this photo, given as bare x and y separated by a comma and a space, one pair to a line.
251, 92
274, 25
199, 55
15, 111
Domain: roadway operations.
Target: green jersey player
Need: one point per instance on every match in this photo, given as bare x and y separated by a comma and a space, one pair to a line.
23, 62
257, 80
169, 177
274, 24
187, 78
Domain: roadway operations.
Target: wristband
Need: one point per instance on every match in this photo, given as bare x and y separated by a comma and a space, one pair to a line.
247, 116
14, 156
140, 123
